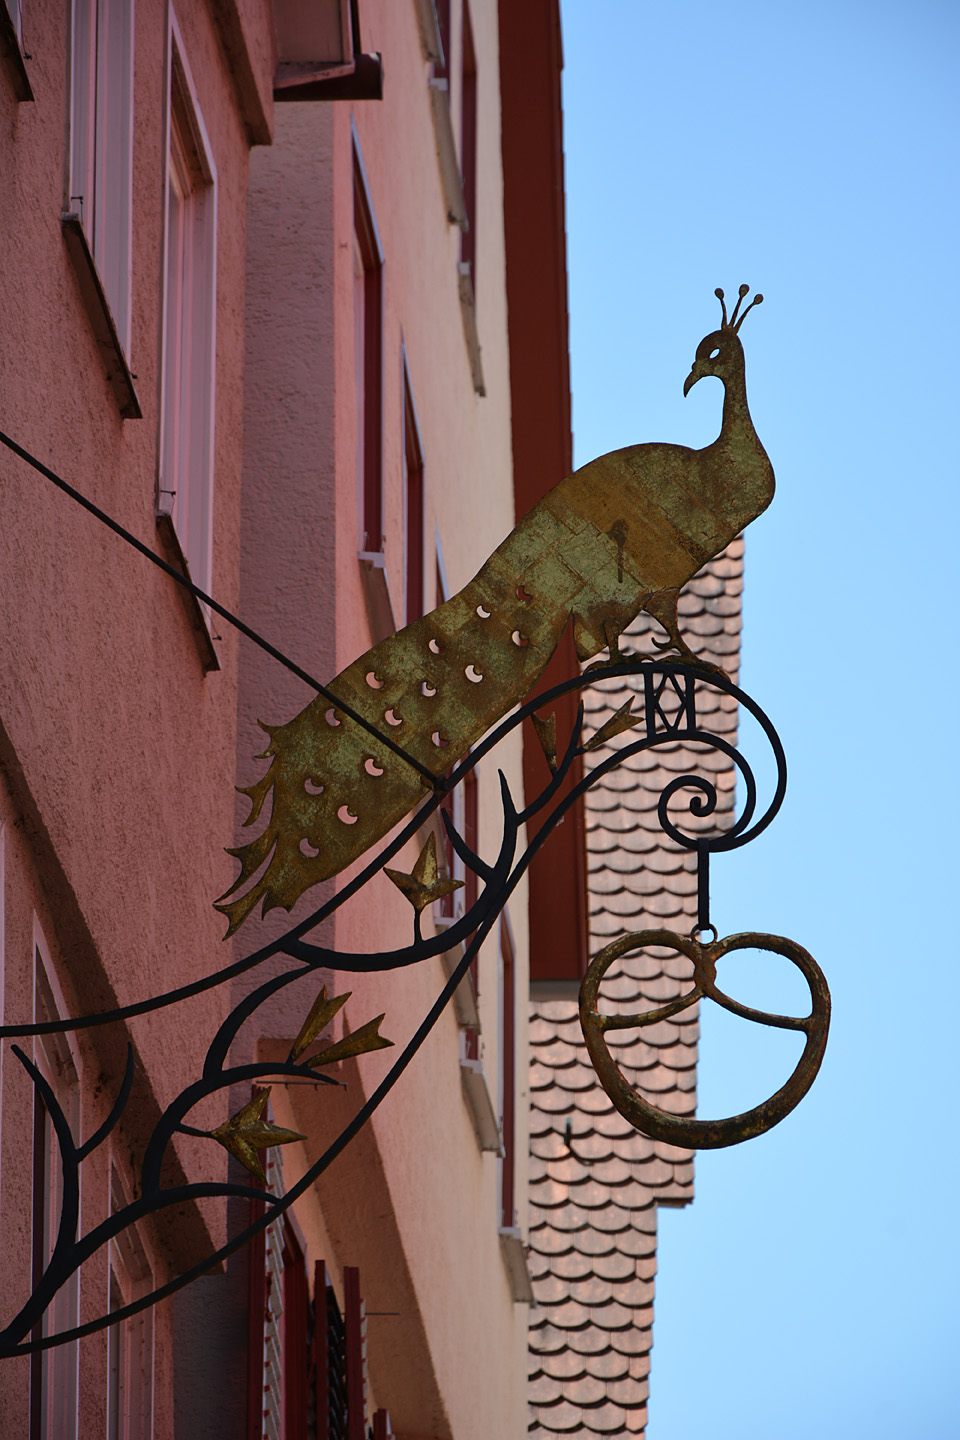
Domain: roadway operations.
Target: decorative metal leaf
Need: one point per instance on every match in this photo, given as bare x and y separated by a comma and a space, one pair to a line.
321, 1013
367, 1038
247, 1132
619, 722
546, 732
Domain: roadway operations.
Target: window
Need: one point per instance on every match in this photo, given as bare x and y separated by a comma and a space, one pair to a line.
368, 361
413, 504
54, 1373
129, 1343
468, 149
279, 1309
186, 463
328, 1359
101, 145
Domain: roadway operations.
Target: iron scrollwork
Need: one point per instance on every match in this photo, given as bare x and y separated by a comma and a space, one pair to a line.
659, 723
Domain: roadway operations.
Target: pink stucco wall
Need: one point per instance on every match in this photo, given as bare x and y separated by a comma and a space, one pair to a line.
119, 754
412, 1201
116, 750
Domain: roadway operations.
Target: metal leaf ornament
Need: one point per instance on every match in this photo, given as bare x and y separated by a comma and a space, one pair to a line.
245, 1133
618, 724
359, 1042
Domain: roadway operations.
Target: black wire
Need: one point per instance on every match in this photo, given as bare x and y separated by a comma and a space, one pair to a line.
221, 610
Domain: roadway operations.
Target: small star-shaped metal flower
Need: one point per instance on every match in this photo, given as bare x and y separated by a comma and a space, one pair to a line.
426, 884
246, 1132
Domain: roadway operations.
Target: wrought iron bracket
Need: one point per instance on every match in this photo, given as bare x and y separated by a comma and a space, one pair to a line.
670, 714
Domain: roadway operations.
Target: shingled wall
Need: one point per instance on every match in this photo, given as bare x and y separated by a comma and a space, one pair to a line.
593, 1200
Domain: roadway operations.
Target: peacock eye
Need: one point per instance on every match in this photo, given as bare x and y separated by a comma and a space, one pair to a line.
714, 353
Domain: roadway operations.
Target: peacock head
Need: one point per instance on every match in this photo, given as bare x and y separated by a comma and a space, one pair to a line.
721, 353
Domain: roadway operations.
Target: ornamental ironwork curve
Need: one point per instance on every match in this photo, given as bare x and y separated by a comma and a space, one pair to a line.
618, 536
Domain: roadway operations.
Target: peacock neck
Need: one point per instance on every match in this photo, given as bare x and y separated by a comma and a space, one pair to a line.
738, 444
737, 425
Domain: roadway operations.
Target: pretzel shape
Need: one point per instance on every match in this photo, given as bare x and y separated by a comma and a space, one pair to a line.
679, 1130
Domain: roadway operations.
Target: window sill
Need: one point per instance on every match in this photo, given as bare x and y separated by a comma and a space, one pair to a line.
14, 57
464, 997
468, 310
514, 1254
98, 310
447, 154
380, 613
479, 1104
196, 613
430, 31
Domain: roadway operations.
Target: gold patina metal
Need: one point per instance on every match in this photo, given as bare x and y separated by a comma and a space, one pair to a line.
620, 535
425, 884
642, 1114
246, 1133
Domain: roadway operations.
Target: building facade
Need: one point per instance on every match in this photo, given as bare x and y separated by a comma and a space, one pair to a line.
284, 299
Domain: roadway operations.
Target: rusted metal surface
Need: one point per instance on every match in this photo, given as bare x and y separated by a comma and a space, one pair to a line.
618, 536
676, 1129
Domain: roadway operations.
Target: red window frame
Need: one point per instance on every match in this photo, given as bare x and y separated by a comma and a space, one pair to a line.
443, 24
368, 337
468, 145
413, 501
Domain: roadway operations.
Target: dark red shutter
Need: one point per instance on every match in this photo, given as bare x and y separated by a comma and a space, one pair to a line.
356, 1354
257, 1310
295, 1304
382, 1429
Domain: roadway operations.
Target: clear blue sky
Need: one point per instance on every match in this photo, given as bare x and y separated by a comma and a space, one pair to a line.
811, 151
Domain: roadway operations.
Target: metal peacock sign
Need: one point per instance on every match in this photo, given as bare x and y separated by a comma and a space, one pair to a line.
395, 733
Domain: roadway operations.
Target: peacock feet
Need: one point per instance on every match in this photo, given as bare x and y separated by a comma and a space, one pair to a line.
663, 607
615, 656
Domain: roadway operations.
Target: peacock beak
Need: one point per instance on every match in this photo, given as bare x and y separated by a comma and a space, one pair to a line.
691, 380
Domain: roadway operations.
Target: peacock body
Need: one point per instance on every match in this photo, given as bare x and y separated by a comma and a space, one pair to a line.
619, 535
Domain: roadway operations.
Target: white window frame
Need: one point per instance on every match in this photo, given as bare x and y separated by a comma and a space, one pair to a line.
186, 479
15, 11
55, 1058
100, 176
